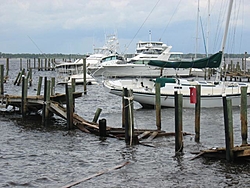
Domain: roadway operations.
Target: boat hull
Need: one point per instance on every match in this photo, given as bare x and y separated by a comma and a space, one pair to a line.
146, 96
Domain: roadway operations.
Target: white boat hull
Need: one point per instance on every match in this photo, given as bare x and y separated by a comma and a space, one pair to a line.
136, 70
146, 96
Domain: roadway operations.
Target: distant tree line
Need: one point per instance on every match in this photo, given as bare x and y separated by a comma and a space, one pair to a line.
42, 56
80, 56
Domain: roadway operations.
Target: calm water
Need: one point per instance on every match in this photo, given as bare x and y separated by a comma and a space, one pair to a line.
34, 156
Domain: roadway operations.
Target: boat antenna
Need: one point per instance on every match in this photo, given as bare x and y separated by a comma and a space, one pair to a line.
225, 35
38, 47
142, 25
169, 21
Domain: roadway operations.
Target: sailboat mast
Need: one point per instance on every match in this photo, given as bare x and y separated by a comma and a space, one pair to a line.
197, 29
227, 25
225, 35
208, 24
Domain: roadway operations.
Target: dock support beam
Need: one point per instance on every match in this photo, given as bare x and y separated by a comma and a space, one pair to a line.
197, 113
1, 79
46, 104
158, 105
102, 128
69, 101
243, 115
228, 121
178, 122
24, 96
97, 114
84, 77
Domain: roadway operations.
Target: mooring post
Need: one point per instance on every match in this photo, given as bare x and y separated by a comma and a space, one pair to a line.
243, 115
17, 78
126, 114
29, 76
123, 108
1, 79
102, 128
7, 67
178, 122
34, 63
197, 113
24, 96
228, 121
84, 77
53, 85
158, 105
73, 84
39, 64
69, 103
97, 114
21, 65
46, 101
20, 77
39, 86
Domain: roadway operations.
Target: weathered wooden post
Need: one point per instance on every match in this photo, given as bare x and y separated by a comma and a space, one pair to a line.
126, 114
84, 77
123, 108
130, 137
24, 96
69, 103
34, 63
7, 67
158, 105
228, 121
39, 64
29, 76
178, 122
46, 103
102, 128
53, 83
97, 114
39, 86
243, 115
20, 77
73, 84
1, 79
197, 113
21, 65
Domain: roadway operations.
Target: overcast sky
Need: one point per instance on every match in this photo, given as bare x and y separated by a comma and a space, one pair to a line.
76, 26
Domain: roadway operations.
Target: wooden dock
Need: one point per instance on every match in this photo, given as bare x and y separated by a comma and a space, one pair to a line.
36, 103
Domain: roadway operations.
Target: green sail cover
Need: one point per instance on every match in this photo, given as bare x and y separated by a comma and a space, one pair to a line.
213, 61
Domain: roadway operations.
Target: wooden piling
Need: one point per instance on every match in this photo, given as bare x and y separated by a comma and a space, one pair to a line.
178, 122
17, 78
126, 114
39, 85
1, 79
243, 115
228, 121
158, 105
69, 103
123, 108
197, 113
21, 65
29, 77
7, 67
73, 84
24, 96
102, 128
97, 114
53, 85
20, 77
45, 115
84, 77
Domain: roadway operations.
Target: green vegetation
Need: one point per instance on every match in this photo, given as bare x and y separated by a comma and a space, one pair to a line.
79, 56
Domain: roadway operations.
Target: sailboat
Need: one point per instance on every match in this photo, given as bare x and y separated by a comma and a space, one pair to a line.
211, 92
